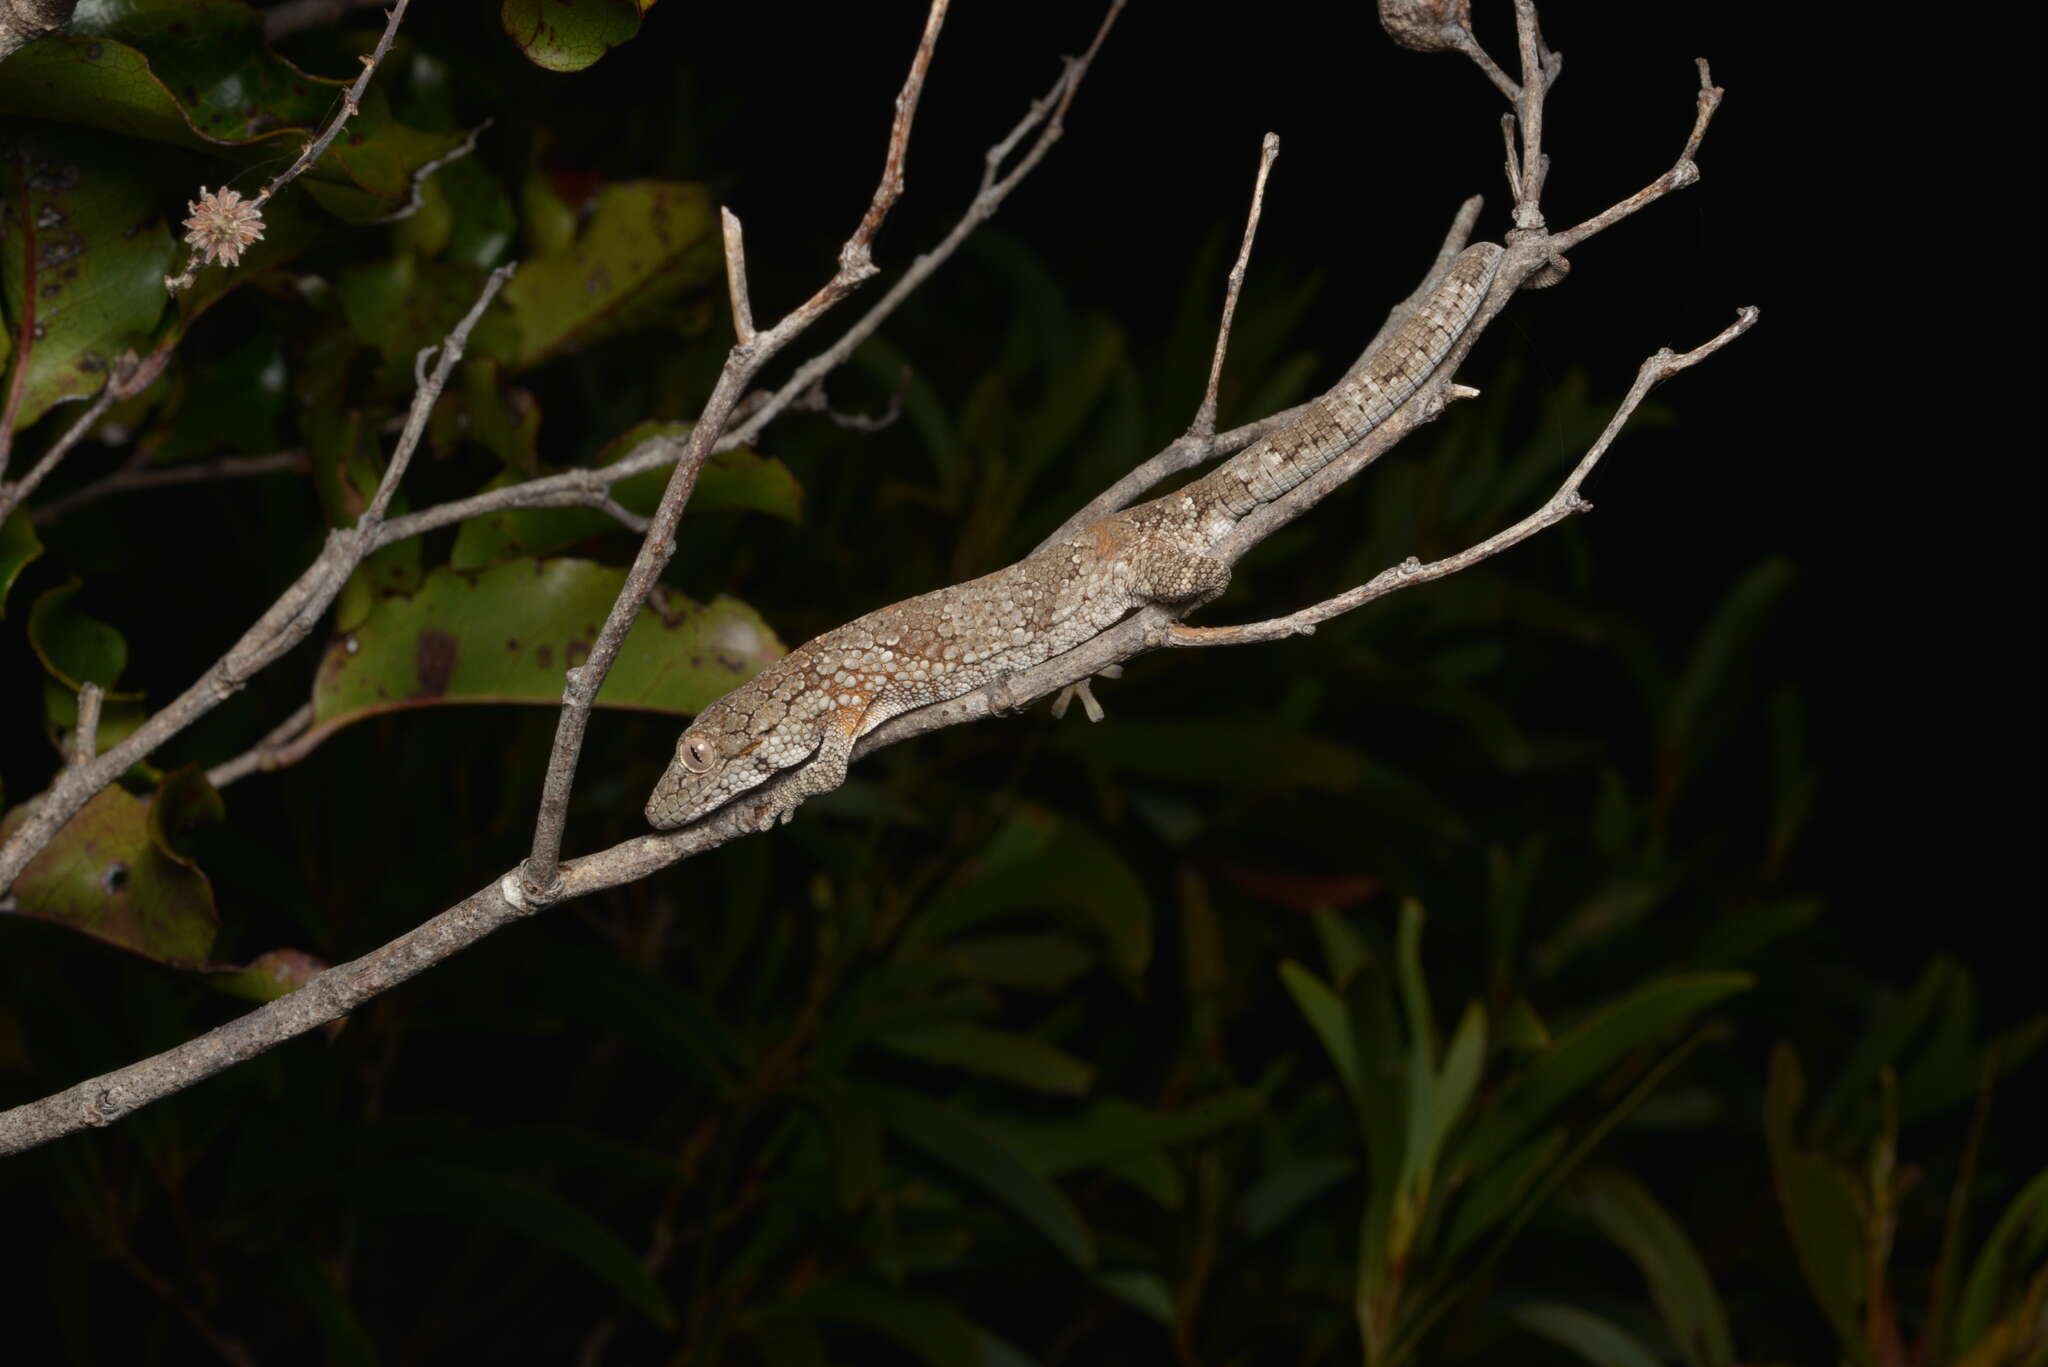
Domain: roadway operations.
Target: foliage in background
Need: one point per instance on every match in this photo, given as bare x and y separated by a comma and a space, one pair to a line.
1036, 1042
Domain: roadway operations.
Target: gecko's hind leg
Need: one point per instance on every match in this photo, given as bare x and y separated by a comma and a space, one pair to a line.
1081, 689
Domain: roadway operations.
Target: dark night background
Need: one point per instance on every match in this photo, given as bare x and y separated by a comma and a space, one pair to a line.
1756, 458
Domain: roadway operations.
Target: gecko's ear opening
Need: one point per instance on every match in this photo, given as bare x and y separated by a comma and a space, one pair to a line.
696, 753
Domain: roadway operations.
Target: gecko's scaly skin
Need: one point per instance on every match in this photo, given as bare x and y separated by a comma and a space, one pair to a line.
809, 707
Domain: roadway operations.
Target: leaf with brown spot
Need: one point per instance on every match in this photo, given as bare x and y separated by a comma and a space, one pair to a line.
115, 872
505, 634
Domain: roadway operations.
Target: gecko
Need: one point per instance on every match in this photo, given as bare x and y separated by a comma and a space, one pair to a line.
808, 708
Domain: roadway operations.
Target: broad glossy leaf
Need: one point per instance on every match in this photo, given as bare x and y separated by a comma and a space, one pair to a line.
19, 547
569, 35
646, 242
1001, 1054
983, 1158
84, 249
506, 634
473, 1198
1582, 1054
197, 74
1684, 1293
1599, 1341
76, 647
114, 872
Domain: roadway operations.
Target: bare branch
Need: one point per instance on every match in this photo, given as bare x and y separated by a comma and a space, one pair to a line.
1410, 572
1682, 173
540, 878
736, 277
11, 495
995, 188
267, 753
131, 479
283, 625
85, 737
1204, 424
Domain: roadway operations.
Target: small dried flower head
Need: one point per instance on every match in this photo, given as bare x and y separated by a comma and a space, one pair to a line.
222, 224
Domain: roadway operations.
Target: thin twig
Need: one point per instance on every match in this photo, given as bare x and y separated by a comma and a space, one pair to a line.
995, 188
85, 737
1410, 572
264, 754
351, 103
1685, 172
283, 625
131, 479
581, 683
424, 172
11, 495
736, 277
1204, 425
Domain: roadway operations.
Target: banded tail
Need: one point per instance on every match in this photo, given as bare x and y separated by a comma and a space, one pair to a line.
1267, 469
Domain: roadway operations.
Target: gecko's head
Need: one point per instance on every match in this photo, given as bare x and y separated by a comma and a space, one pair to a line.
715, 761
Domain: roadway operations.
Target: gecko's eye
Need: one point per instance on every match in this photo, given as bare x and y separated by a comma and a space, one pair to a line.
696, 754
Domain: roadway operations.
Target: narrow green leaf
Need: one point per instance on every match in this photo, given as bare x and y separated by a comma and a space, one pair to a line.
1584, 1053
1140, 1289
1415, 990
1820, 1205
1329, 1018
1490, 1196
981, 1156
1000, 1054
1685, 1295
1599, 1341
472, 1197
2012, 1257
1111, 1129
1282, 1193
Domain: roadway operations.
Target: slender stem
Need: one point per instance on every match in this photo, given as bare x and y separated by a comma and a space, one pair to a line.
11, 495
264, 754
582, 682
1204, 425
85, 737
134, 478
283, 625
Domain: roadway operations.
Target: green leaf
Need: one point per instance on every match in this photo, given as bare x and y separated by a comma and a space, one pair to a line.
1036, 861
2012, 1257
645, 242
1330, 1020
267, 977
506, 634
739, 478
1599, 1341
999, 1054
1284, 1192
474, 1198
1142, 1290
1111, 1129
1038, 963
929, 1328
83, 254
19, 547
983, 1158
1685, 1295
569, 35
1821, 1207
1494, 1194
197, 74
1702, 705
74, 646
114, 872
1584, 1053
